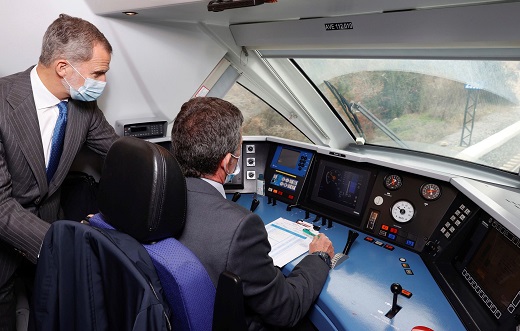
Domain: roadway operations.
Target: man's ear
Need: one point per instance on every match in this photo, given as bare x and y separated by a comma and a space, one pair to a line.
225, 162
60, 66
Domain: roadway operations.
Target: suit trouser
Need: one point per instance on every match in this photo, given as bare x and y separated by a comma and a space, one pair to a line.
8, 306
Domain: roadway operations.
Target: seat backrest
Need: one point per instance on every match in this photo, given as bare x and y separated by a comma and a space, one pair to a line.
142, 192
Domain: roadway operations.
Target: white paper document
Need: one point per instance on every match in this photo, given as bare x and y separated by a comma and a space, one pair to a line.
288, 240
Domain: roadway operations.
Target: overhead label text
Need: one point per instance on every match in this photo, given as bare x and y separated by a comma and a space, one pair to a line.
339, 26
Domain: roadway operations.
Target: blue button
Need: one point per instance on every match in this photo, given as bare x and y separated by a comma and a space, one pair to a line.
391, 236
410, 243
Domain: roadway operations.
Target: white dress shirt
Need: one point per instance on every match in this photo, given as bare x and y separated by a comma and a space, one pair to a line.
47, 111
216, 185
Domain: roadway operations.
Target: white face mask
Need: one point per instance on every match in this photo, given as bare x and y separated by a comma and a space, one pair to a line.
230, 177
89, 91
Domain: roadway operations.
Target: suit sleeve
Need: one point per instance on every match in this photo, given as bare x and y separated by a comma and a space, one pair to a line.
101, 134
18, 227
277, 300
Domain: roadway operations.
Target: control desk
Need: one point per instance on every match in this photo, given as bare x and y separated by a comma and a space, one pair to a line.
435, 251
357, 295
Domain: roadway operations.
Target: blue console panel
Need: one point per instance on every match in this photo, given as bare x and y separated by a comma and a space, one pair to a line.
357, 294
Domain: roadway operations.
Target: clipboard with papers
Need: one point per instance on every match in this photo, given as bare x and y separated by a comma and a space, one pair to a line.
288, 240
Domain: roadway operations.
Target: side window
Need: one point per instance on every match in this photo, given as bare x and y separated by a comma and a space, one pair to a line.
260, 119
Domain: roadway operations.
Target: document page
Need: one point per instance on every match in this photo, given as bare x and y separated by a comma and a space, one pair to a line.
288, 240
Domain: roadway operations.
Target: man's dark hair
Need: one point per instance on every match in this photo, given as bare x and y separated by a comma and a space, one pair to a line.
204, 131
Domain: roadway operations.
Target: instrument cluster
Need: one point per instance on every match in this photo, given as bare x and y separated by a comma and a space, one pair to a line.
406, 208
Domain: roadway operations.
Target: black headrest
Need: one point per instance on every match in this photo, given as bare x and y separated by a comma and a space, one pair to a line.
142, 190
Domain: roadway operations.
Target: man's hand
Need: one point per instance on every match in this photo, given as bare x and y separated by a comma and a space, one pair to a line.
321, 243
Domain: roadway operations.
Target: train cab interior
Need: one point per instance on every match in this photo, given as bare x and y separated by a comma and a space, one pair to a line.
398, 122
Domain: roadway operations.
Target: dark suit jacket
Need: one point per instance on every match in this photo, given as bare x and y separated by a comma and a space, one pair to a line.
27, 203
226, 236
95, 279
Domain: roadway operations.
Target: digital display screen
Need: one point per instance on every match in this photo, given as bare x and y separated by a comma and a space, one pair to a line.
496, 268
288, 158
137, 128
287, 172
340, 187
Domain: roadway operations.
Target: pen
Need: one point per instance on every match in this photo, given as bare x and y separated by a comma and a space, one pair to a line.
307, 231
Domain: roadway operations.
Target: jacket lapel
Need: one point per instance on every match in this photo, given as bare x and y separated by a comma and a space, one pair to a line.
27, 129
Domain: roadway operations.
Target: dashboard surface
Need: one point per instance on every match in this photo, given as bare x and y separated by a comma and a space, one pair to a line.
357, 294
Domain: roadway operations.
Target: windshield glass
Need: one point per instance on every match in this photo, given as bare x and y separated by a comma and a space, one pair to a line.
465, 109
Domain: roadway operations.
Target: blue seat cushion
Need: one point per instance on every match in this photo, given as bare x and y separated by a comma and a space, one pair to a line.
186, 284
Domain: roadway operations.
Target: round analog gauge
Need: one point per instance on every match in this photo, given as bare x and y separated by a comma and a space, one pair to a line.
402, 211
393, 182
430, 191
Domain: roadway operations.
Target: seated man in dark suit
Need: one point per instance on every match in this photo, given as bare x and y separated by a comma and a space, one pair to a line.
206, 140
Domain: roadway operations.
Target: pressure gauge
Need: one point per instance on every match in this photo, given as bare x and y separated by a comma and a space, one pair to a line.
402, 211
430, 191
393, 182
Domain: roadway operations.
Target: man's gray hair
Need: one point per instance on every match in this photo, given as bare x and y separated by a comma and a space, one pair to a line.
204, 131
71, 38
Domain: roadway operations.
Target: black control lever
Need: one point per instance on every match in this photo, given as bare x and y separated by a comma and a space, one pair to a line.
290, 207
254, 203
396, 289
340, 257
352, 235
235, 197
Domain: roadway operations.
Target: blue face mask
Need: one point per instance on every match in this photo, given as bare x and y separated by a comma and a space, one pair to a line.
90, 91
230, 177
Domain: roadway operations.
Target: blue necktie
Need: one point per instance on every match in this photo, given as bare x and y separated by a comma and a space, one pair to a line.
57, 140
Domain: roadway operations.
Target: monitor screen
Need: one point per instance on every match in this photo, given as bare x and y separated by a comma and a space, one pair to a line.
496, 268
340, 187
287, 171
288, 158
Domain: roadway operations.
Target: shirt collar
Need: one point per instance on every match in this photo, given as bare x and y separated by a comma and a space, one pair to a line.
43, 98
217, 185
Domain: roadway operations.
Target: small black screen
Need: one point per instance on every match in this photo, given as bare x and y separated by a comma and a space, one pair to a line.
288, 158
340, 187
137, 128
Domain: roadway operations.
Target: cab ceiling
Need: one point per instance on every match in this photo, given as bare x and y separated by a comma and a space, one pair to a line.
196, 11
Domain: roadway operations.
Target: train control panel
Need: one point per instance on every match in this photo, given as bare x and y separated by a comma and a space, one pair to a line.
433, 252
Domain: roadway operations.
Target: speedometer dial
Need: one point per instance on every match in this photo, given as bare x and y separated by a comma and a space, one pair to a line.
402, 211
430, 191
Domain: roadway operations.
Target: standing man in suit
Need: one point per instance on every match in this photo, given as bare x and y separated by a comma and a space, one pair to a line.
206, 140
57, 95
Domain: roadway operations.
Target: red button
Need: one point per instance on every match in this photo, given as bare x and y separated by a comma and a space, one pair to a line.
406, 293
393, 230
389, 247
369, 239
384, 227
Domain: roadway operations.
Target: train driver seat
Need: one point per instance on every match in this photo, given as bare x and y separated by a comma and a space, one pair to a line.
143, 193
